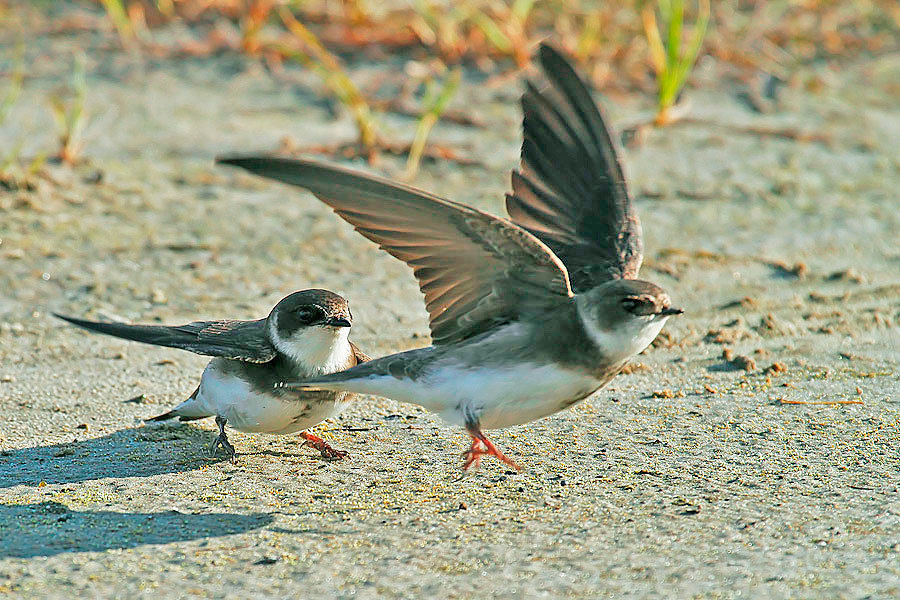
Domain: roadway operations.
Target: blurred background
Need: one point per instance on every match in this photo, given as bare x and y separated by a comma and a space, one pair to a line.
374, 61
759, 139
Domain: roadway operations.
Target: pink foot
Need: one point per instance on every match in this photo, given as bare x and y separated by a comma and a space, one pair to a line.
314, 441
482, 446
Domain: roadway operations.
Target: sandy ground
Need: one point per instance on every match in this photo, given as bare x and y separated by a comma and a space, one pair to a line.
688, 477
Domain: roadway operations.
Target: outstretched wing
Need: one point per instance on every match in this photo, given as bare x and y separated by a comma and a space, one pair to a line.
476, 270
241, 340
571, 191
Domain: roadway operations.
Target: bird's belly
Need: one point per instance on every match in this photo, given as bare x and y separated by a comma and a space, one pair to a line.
254, 412
261, 413
505, 397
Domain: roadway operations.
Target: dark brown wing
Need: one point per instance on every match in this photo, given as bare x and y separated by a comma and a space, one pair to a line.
360, 356
476, 270
571, 190
241, 340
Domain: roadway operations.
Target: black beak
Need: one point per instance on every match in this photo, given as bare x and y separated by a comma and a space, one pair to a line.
337, 322
669, 310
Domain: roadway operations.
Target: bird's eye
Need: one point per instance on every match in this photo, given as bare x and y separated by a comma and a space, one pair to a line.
638, 305
310, 314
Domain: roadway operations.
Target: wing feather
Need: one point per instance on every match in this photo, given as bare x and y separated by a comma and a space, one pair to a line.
239, 340
475, 270
570, 191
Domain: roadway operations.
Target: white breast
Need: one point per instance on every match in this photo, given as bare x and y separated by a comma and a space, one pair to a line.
250, 411
625, 341
317, 350
516, 395
503, 397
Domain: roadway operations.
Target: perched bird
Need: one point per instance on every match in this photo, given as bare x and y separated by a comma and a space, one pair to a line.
305, 336
528, 316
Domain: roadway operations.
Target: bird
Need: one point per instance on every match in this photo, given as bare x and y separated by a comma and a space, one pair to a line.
305, 335
529, 314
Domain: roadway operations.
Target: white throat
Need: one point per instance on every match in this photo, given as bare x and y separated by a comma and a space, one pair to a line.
317, 350
624, 340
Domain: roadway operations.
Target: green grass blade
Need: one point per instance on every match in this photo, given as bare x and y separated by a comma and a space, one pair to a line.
121, 22
521, 9
654, 41
687, 62
17, 82
336, 79
676, 19
492, 32
435, 105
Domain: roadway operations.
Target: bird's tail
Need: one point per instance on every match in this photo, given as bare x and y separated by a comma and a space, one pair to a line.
313, 385
177, 412
171, 415
163, 417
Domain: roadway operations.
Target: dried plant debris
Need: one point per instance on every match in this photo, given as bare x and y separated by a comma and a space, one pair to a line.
745, 302
772, 326
798, 270
671, 268
631, 368
729, 333
819, 402
776, 367
664, 340
851, 275
738, 361
852, 356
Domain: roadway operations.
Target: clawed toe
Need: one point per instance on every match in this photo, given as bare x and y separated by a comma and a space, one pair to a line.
327, 452
226, 446
334, 454
482, 446
222, 440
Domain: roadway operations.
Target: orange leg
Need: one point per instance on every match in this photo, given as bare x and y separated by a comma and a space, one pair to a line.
473, 455
482, 446
314, 441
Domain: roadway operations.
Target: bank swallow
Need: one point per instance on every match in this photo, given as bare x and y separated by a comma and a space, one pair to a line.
305, 336
529, 315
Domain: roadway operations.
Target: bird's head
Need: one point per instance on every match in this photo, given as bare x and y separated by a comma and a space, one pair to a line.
623, 316
311, 327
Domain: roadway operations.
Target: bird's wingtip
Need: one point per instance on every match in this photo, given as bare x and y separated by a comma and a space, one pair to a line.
231, 159
259, 164
548, 48
307, 386
289, 384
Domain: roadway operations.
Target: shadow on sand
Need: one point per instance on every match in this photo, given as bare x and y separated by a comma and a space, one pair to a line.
51, 528
139, 452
